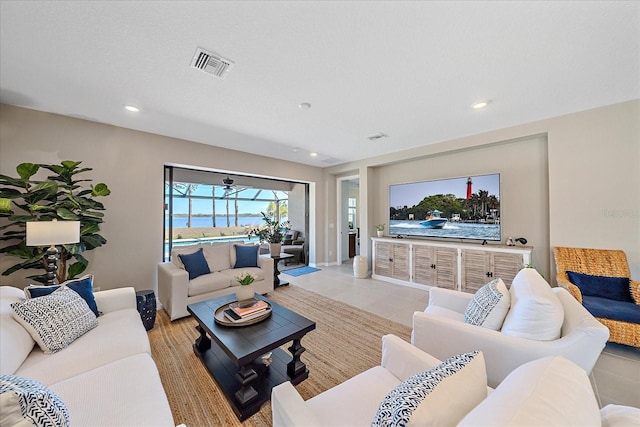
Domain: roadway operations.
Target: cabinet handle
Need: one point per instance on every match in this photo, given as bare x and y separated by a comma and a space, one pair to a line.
433, 266
489, 274
390, 259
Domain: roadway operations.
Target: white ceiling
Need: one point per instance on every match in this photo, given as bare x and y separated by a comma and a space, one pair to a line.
407, 69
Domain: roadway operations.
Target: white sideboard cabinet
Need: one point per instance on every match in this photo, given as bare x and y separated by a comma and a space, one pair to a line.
458, 266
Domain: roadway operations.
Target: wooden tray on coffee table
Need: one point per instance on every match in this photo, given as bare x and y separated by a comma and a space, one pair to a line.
221, 319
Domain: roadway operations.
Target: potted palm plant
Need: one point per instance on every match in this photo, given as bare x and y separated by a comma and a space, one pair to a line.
272, 232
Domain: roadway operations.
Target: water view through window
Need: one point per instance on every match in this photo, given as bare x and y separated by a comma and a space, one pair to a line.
198, 212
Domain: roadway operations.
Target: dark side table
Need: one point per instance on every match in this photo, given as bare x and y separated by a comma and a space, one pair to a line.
146, 304
276, 273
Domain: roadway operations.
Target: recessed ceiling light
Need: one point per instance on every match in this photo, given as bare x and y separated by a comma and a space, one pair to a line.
131, 108
481, 104
313, 154
304, 106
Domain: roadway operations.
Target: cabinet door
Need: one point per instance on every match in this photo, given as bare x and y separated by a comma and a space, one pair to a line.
400, 264
476, 270
506, 266
423, 262
446, 268
383, 259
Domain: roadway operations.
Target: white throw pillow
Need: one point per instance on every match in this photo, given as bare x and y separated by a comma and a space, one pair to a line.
489, 305
25, 402
440, 396
55, 320
536, 312
552, 391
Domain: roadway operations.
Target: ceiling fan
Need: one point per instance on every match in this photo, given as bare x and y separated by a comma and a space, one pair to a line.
229, 188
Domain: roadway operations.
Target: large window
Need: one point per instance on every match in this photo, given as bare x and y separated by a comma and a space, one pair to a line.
202, 206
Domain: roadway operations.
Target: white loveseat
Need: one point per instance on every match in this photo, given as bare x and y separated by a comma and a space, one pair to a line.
176, 291
106, 377
441, 331
547, 392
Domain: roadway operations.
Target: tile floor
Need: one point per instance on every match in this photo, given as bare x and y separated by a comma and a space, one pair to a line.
615, 377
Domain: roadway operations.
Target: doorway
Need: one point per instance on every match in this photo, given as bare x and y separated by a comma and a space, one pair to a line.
348, 237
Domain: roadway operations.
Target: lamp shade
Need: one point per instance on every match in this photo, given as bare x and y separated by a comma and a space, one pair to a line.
45, 233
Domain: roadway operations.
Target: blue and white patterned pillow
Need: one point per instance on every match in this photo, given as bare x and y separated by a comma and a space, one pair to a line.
55, 320
442, 395
27, 402
489, 306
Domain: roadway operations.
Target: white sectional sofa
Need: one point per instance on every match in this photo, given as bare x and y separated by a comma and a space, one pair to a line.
176, 290
106, 377
551, 391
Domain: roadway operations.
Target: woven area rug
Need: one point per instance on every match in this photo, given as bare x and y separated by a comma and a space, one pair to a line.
300, 271
346, 341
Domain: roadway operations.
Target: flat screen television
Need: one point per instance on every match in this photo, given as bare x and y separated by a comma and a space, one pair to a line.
460, 208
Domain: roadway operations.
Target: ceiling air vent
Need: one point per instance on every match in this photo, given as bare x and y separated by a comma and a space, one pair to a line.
211, 63
378, 136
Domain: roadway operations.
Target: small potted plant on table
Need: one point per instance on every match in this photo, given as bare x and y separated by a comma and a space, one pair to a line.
380, 229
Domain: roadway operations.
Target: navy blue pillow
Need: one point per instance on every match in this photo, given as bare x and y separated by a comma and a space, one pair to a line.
82, 286
195, 264
615, 288
246, 256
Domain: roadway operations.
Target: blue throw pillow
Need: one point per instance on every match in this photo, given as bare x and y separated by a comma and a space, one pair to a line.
195, 264
246, 256
83, 286
615, 288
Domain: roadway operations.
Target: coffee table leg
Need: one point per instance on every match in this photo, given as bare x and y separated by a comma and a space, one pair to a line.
246, 393
203, 343
296, 367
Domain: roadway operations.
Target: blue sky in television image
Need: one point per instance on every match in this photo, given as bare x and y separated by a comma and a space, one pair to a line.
411, 194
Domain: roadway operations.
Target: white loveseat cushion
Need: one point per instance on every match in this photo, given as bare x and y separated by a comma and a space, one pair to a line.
370, 387
536, 313
15, 342
529, 396
118, 384
93, 349
489, 306
440, 396
55, 320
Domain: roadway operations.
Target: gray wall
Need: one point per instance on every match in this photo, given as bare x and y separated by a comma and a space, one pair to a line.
131, 164
571, 180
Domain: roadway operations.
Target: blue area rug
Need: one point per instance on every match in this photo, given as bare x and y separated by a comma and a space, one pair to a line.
300, 271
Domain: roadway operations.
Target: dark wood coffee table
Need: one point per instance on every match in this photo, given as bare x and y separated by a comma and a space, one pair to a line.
234, 358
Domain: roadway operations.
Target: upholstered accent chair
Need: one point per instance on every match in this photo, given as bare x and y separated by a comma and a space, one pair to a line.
294, 244
441, 330
586, 274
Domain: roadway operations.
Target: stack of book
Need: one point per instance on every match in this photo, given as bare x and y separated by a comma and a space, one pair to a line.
242, 312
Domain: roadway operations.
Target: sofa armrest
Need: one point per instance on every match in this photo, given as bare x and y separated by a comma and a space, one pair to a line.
266, 263
173, 289
573, 289
289, 409
402, 359
115, 299
450, 299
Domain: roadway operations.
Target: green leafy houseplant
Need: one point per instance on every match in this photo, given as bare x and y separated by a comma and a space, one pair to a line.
380, 227
62, 197
245, 278
272, 231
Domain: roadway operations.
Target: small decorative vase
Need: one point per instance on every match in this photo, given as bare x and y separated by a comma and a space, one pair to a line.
380, 233
244, 292
275, 248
